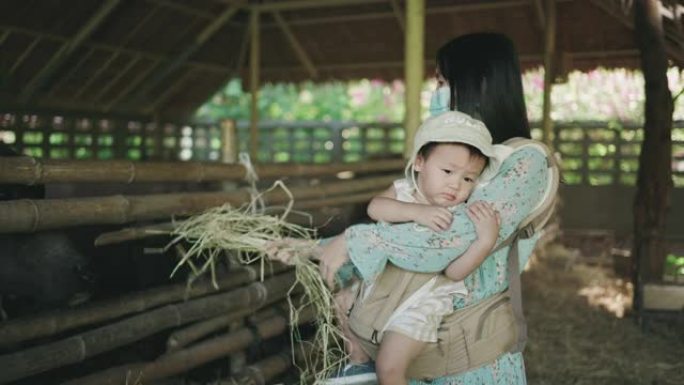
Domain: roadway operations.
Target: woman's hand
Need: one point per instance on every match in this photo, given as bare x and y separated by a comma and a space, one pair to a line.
486, 220
286, 249
436, 218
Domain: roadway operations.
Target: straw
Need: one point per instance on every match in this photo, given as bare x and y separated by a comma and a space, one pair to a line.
249, 231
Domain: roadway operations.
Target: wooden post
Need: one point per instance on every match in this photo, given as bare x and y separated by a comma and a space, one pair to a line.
254, 84
229, 139
414, 47
654, 179
549, 52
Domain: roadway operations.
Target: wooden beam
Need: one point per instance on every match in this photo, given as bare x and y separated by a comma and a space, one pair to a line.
127, 38
549, 53
93, 77
414, 70
133, 52
74, 69
458, 8
134, 83
24, 55
663, 297
242, 54
180, 7
654, 177
612, 9
309, 4
539, 12
175, 85
103, 91
296, 46
183, 57
254, 64
396, 9
4, 36
65, 52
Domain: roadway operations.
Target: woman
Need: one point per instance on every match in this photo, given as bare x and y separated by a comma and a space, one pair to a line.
483, 78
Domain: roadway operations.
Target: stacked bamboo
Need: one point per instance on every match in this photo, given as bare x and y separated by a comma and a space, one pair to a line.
78, 348
20, 330
132, 317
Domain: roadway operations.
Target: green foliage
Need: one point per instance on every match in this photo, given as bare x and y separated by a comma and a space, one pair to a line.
601, 95
363, 101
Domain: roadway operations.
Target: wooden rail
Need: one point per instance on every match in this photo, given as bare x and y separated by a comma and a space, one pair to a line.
30, 171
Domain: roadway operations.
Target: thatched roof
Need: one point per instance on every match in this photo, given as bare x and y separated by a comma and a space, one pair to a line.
167, 57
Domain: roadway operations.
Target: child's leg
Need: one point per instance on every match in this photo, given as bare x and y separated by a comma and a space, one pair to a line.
397, 351
344, 299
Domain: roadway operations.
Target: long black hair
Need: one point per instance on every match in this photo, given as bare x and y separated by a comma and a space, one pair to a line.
485, 82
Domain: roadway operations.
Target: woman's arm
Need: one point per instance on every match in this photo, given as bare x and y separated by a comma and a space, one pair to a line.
486, 222
514, 192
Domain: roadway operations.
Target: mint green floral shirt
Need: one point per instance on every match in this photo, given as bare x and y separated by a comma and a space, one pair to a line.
514, 192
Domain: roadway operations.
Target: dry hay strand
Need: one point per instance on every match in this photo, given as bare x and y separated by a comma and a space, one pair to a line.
576, 339
248, 232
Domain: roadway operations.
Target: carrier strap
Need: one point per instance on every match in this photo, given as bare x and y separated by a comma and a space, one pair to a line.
516, 294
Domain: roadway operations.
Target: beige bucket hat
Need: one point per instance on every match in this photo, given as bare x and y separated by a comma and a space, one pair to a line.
457, 127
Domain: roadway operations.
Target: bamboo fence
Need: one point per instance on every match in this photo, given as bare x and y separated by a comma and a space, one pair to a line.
30, 171
184, 337
19, 330
141, 232
260, 373
31, 215
77, 348
192, 357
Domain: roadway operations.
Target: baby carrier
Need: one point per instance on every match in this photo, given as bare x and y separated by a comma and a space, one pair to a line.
472, 336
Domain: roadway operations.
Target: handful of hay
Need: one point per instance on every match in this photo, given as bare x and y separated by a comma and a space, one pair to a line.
249, 232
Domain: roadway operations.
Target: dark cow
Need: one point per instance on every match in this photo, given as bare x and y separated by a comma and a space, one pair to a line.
41, 270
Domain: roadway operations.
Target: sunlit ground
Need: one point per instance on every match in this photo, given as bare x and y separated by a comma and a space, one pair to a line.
581, 330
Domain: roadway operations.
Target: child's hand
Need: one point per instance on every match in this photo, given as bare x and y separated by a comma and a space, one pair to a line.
486, 221
435, 217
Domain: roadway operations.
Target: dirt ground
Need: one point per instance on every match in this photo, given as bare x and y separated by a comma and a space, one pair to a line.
581, 330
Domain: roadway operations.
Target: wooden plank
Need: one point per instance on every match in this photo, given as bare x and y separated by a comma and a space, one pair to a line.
663, 297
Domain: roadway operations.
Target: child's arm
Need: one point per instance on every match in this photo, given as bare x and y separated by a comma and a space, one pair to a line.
487, 222
385, 207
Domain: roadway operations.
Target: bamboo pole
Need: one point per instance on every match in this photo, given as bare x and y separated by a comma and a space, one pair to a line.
184, 337
32, 215
24, 329
80, 347
414, 70
254, 64
549, 53
135, 233
30, 171
184, 360
263, 371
